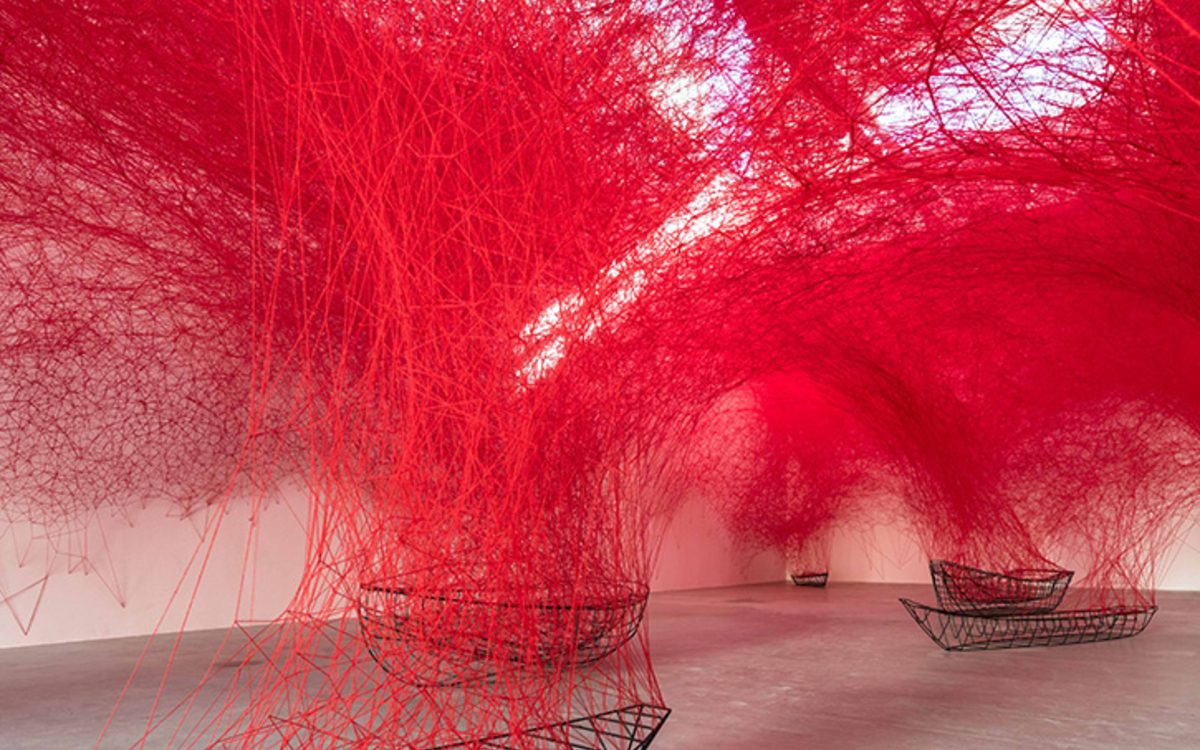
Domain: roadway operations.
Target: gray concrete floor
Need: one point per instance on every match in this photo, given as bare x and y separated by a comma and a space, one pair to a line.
772, 667
766, 667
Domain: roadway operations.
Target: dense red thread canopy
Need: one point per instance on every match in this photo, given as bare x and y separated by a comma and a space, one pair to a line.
499, 279
366, 211
974, 227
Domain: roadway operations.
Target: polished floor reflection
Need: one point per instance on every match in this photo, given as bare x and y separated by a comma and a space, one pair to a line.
764, 667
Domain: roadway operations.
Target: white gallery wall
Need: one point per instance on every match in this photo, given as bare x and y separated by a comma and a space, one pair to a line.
142, 572
889, 554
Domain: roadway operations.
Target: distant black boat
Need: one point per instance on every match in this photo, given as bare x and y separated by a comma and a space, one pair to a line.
817, 580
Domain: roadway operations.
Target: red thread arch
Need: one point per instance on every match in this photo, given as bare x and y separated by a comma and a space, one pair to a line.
501, 282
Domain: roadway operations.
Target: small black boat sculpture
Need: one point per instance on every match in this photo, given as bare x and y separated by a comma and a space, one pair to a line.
453, 637
955, 631
960, 588
981, 610
816, 580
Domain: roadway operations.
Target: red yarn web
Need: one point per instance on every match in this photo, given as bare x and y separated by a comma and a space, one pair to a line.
962, 284
502, 282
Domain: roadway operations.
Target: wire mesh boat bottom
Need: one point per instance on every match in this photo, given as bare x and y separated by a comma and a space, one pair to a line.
632, 727
955, 631
817, 580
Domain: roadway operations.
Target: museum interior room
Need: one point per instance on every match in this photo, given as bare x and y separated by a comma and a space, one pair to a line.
599, 374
